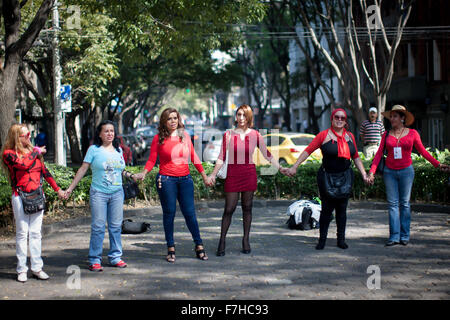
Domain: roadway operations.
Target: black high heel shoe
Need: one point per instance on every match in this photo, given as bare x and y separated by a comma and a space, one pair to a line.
245, 251
221, 249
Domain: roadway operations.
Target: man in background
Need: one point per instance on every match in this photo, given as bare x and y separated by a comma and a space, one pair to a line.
371, 131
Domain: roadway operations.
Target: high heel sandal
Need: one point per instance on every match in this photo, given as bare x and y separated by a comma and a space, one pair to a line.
200, 253
171, 256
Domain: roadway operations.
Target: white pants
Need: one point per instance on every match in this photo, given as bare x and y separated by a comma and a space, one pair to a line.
28, 226
370, 150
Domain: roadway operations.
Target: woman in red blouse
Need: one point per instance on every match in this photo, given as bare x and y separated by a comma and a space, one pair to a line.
174, 147
25, 167
338, 149
241, 173
398, 173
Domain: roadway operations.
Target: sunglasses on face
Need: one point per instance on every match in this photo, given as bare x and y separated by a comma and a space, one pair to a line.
25, 135
339, 118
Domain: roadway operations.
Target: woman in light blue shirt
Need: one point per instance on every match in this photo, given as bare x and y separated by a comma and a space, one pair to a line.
105, 158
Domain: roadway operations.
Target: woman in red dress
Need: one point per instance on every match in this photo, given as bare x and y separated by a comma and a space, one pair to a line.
241, 173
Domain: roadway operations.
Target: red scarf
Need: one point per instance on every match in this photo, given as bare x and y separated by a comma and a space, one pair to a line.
343, 149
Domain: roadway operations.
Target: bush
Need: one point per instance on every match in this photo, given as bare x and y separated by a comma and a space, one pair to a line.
430, 184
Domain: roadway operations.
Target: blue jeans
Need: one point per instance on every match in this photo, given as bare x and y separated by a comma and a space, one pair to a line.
106, 208
398, 191
181, 189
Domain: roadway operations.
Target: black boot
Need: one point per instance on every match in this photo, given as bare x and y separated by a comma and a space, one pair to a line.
341, 241
321, 244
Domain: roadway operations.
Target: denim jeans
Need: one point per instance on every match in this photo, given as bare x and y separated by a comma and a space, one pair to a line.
28, 228
106, 208
181, 189
398, 191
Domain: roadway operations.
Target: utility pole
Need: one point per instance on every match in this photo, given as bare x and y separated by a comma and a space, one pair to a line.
59, 116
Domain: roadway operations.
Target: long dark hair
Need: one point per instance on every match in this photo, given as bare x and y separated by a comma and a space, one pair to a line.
98, 141
163, 132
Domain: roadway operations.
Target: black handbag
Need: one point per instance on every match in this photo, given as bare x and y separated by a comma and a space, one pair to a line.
338, 185
130, 188
382, 163
32, 202
130, 227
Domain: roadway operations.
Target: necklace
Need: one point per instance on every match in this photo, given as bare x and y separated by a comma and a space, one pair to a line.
398, 138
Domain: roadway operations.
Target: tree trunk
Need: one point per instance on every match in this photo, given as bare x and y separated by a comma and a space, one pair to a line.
75, 152
16, 47
8, 80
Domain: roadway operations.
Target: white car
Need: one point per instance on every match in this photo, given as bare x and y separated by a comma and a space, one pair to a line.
212, 149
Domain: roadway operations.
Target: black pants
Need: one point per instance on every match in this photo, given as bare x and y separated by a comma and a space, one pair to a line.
328, 206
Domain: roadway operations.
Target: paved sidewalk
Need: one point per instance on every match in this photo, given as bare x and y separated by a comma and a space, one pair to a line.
283, 264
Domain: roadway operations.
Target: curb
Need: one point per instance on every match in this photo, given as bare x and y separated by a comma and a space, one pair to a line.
204, 205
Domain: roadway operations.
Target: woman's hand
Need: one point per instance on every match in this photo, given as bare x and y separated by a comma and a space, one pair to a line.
67, 193
62, 194
212, 179
370, 178
290, 172
139, 176
444, 167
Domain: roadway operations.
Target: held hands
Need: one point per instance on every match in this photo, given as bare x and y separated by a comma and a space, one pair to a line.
369, 179
289, 172
62, 194
444, 167
138, 176
209, 180
67, 193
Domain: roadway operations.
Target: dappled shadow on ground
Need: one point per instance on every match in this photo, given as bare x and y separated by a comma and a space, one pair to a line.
283, 264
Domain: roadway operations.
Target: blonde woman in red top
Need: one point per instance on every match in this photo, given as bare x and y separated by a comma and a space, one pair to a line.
25, 168
174, 147
398, 173
241, 173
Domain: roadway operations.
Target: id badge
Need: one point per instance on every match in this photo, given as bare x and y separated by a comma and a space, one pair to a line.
397, 152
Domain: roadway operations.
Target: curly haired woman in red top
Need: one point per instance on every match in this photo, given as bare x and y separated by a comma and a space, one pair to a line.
174, 147
25, 167
338, 148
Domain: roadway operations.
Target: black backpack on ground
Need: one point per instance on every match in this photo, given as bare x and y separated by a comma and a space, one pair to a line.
307, 223
130, 227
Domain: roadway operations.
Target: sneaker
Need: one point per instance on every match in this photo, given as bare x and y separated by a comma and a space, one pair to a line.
41, 275
120, 264
96, 267
22, 277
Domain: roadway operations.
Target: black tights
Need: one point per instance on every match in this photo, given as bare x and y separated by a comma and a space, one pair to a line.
231, 201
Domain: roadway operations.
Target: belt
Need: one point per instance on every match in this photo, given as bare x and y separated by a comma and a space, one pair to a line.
371, 144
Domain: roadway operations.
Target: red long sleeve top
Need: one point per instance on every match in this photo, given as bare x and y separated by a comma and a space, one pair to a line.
26, 170
174, 156
241, 150
412, 139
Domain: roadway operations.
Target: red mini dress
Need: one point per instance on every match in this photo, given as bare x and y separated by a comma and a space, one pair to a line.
241, 171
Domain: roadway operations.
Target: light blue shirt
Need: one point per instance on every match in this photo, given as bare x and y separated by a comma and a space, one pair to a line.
106, 169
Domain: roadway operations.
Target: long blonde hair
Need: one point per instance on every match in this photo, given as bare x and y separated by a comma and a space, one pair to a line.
12, 142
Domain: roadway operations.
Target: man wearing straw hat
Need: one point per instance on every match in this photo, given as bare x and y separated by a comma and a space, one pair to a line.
371, 131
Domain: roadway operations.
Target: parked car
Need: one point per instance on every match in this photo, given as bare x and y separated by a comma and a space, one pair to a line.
147, 133
287, 147
212, 147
